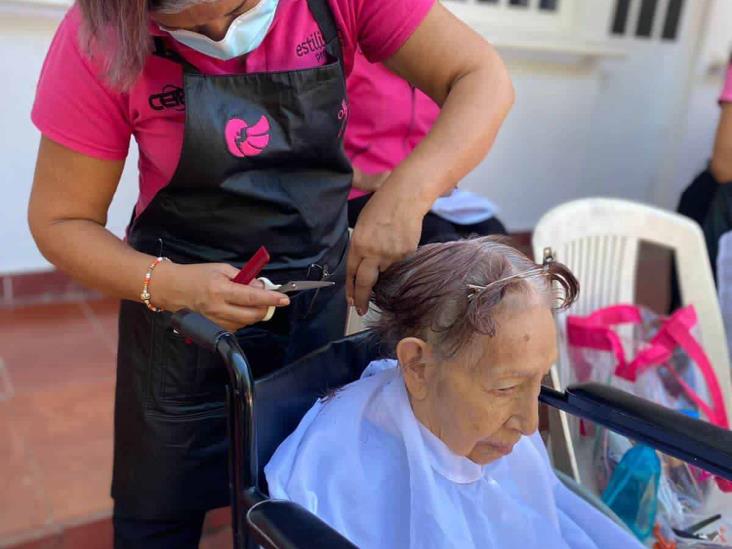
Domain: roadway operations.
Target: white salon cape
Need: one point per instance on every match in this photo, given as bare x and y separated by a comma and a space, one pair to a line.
362, 462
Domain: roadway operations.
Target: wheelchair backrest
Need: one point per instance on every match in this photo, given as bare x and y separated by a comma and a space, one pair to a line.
283, 397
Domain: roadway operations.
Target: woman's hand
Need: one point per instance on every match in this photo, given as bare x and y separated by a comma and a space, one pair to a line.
368, 182
387, 230
207, 288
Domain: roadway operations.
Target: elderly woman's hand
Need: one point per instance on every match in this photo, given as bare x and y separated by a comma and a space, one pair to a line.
387, 230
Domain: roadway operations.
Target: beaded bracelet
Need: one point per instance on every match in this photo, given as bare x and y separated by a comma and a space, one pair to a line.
145, 295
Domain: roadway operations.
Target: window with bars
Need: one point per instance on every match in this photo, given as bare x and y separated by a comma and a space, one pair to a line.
546, 16
647, 18
541, 5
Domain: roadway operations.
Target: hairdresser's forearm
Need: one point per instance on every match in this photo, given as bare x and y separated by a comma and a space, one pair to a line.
471, 116
96, 258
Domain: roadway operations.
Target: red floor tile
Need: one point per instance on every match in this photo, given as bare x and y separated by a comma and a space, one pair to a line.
51, 345
221, 539
69, 432
217, 519
23, 499
67, 414
77, 480
95, 535
105, 313
51, 541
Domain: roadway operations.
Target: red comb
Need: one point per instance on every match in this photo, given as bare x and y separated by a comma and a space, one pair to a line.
253, 267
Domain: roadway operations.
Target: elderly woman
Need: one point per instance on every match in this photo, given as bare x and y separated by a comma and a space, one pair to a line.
438, 448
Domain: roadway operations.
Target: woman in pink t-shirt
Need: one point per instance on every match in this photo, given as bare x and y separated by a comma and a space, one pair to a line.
238, 109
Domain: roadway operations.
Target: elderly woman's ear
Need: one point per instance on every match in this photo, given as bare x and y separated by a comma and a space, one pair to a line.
416, 360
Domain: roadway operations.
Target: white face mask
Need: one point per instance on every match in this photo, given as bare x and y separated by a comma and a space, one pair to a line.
245, 33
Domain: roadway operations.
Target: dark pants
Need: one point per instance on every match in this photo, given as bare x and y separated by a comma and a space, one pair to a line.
434, 227
158, 534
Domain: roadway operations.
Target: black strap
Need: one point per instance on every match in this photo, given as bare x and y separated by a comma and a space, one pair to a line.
161, 50
320, 9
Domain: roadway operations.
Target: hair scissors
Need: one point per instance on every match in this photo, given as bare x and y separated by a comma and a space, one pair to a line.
255, 266
292, 286
295, 285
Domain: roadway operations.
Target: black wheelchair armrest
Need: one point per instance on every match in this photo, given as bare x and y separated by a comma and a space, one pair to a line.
694, 441
278, 524
199, 328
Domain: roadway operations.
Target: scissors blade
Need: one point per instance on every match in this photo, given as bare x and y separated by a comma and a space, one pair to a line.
302, 285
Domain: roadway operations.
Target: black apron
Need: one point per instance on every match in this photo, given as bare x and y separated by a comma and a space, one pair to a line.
262, 164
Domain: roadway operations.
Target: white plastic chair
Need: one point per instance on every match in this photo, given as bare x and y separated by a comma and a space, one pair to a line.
598, 239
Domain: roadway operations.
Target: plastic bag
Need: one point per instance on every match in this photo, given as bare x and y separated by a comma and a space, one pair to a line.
632, 492
668, 364
657, 358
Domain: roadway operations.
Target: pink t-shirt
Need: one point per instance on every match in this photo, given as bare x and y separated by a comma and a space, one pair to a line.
76, 108
726, 96
387, 119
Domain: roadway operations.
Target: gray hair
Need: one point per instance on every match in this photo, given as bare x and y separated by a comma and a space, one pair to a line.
431, 294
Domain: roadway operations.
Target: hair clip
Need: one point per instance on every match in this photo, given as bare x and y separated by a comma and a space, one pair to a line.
476, 289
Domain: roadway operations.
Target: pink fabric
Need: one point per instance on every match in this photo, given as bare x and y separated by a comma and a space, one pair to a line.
75, 108
595, 332
355, 193
387, 118
726, 96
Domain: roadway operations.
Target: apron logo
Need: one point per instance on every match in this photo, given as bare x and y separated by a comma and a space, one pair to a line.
244, 140
171, 97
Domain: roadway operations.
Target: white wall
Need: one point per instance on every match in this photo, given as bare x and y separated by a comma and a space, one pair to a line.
622, 126
586, 122
535, 164
25, 35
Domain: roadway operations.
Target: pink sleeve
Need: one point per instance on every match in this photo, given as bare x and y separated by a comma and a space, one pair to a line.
726, 96
379, 27
73, 106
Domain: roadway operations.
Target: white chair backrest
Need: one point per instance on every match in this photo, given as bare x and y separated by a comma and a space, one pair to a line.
598, 239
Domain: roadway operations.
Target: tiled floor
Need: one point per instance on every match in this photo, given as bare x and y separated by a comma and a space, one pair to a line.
56, 397
57, 420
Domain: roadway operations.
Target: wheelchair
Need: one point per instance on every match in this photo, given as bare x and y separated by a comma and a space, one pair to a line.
262, 413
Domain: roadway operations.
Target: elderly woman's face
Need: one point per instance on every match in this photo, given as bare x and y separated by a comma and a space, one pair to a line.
483, 400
